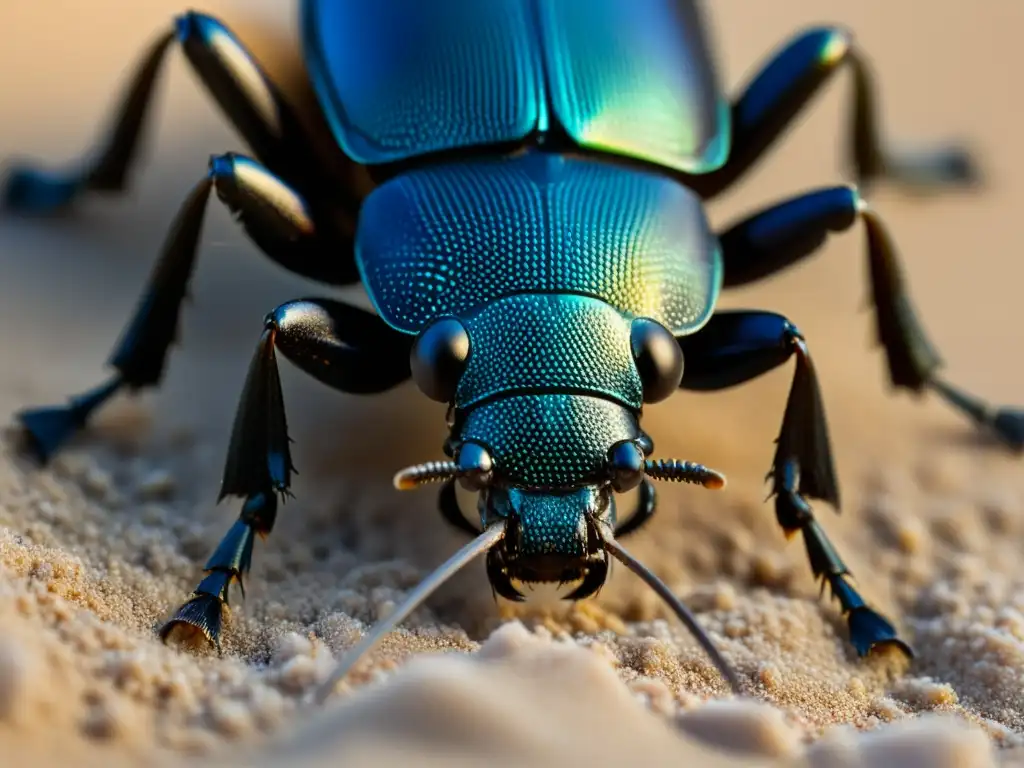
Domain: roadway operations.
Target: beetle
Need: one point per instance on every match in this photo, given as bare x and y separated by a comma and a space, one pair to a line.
535, 246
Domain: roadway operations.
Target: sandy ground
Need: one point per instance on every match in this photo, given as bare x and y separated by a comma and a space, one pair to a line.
96, 550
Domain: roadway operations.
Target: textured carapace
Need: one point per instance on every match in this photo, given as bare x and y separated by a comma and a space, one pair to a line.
403, 78
448, 238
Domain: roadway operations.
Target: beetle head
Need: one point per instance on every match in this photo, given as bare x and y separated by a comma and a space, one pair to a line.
545, 393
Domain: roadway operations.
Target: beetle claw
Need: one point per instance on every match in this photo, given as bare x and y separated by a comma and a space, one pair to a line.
47, 429
870, 631
1008, 424
200, 617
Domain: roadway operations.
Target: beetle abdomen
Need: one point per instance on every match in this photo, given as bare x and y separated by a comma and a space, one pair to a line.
447, 239
402, 78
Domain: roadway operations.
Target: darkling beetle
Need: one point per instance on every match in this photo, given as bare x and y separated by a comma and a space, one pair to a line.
536, 248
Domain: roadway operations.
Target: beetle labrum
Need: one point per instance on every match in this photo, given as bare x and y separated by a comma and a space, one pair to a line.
536, 248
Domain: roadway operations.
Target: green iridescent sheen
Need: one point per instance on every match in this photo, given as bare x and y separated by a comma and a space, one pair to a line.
448, 238
549, 342
551, 524
637, 79
404, 78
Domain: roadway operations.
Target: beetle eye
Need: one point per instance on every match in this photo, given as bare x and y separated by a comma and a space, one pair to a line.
476, 467
625, 465
659, 360
438, 358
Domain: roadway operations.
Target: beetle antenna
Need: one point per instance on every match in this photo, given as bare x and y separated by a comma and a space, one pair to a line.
684, 472
428, 472
678, 607
455, 563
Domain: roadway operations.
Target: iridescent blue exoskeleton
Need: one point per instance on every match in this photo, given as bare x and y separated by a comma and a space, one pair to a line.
520, 188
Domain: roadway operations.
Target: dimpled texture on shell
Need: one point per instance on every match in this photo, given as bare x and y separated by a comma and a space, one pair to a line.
549, 341
552, 525
449, 238
402, 78
636, 77
549, 441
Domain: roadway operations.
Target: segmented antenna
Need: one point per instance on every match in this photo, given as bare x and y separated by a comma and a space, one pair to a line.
428, 472
678, 471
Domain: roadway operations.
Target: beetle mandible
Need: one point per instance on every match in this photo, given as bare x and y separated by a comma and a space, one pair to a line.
536, 248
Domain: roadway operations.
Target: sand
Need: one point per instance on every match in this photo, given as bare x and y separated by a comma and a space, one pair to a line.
96, 550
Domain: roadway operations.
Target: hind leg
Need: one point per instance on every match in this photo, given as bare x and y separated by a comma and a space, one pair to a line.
773, 239
237, 84
781, 90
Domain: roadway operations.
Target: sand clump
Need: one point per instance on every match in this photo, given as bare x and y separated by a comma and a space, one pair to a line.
89, 567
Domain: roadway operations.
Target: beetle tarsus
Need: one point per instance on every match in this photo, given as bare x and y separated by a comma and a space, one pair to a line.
922, 169
228, 564
868, 628
201, 617
870, 631
48, 428
276, 219
1006, 423
32, 190
141, 353
736, 346
344, 347
239, 86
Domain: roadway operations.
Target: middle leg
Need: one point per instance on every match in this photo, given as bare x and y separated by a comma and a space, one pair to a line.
775, 238
274, 216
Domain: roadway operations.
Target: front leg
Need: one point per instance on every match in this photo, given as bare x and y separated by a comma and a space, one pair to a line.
344, 347
783, 234
735, 347
237, 84
784, 86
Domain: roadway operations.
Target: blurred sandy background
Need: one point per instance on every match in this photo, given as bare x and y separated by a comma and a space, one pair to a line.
933, 518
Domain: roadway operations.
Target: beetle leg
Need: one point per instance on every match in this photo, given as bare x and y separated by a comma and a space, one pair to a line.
345, 347
276, 219
645, 506
736, 346
775, 238
236, 82
783, 87
448, 506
